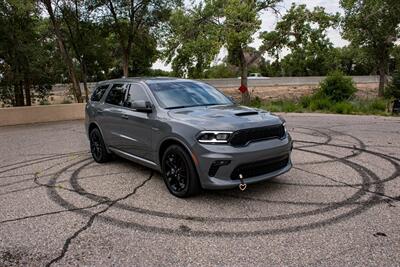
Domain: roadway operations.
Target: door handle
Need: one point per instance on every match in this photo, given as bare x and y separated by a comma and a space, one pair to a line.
124, 116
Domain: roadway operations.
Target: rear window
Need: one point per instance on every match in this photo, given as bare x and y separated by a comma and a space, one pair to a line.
116, 96
99, 92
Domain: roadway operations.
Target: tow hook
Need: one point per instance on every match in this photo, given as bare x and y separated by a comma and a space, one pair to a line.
242, 185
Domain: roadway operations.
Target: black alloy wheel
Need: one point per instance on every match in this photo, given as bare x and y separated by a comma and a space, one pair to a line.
179, 172
97, 147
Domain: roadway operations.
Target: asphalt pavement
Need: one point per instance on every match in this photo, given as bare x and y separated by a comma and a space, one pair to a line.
338, 206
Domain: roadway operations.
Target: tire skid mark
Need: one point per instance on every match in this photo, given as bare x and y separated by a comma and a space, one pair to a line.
371, 187
92, 218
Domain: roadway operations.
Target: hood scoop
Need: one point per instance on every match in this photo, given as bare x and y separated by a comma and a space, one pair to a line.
247, 113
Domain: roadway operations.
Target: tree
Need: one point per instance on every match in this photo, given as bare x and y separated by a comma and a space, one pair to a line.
355, 61
302, 32
16, 47
28, 61
132, 18
79, 33
241, 22
207, 27
63, 49
374, 26
193, 40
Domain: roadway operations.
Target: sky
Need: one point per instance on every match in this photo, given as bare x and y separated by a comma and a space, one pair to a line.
269, 21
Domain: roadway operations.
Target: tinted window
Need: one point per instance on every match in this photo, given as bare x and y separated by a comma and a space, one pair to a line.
99, 92
136, 92
187, 94
116, 96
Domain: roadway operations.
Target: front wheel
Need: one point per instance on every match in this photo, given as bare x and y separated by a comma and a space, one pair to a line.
179, 172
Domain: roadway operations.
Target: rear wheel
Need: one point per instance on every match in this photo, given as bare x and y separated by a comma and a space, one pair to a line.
97, 147
179, 172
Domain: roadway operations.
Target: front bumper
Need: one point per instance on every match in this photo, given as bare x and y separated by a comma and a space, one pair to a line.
208, 154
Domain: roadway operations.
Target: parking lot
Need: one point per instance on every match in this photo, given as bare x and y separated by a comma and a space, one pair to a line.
338, 206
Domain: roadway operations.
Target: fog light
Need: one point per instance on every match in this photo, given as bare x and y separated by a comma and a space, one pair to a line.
215, 166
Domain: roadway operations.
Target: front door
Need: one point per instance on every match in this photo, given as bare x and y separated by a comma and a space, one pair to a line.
136, 135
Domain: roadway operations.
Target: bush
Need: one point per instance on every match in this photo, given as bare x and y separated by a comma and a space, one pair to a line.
342, 108
305, 101
337, 87
393, 90
256, 102
320, 103
282, 106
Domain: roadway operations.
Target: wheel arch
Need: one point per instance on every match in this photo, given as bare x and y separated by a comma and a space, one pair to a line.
175, 141
95, 125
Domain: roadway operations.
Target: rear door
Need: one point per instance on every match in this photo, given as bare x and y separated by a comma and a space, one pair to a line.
112, 122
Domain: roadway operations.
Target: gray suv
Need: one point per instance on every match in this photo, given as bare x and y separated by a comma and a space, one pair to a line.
189, 131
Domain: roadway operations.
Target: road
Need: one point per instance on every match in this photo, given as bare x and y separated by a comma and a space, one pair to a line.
312, 80
234, 82
338, 206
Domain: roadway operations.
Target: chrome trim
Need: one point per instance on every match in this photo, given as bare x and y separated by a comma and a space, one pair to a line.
133, 156
124, 136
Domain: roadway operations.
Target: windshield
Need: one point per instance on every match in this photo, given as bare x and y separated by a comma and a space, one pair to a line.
172, 95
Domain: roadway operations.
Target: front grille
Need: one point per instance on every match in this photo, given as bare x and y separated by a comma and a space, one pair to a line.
260, 167
245, 136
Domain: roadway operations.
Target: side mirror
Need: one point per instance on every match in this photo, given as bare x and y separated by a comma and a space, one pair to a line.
142, 106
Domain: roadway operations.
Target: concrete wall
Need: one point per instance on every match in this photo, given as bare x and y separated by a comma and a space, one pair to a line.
35, 114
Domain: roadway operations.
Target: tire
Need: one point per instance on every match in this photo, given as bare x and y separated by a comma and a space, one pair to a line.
97, 147
179, 172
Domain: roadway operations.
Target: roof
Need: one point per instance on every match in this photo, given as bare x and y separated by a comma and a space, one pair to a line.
143, 79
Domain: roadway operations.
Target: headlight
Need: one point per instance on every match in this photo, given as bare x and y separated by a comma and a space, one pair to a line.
283, 123
214, 137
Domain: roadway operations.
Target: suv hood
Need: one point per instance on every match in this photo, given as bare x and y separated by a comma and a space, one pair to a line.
231, 117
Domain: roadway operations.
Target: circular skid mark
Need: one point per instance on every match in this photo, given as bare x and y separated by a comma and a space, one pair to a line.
356, 150
369, 193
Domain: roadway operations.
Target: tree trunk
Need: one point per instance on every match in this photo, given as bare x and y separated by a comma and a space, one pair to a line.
125, 62
19, 94
64, 52
382, 78
84, 78
243, 78
27, 88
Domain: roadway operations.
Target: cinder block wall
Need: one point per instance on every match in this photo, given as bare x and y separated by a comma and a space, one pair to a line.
35, 114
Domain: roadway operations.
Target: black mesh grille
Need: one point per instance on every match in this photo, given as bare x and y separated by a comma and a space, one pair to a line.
245, 136
260, 167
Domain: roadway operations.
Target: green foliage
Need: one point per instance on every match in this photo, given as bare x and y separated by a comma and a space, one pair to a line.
337, 87
220, 71
314, 104
374, 26
303, 33
320, 103
393, 90
342, 108
192, 40
195, 36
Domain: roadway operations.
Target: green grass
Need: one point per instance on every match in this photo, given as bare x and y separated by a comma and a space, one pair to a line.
376, 106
